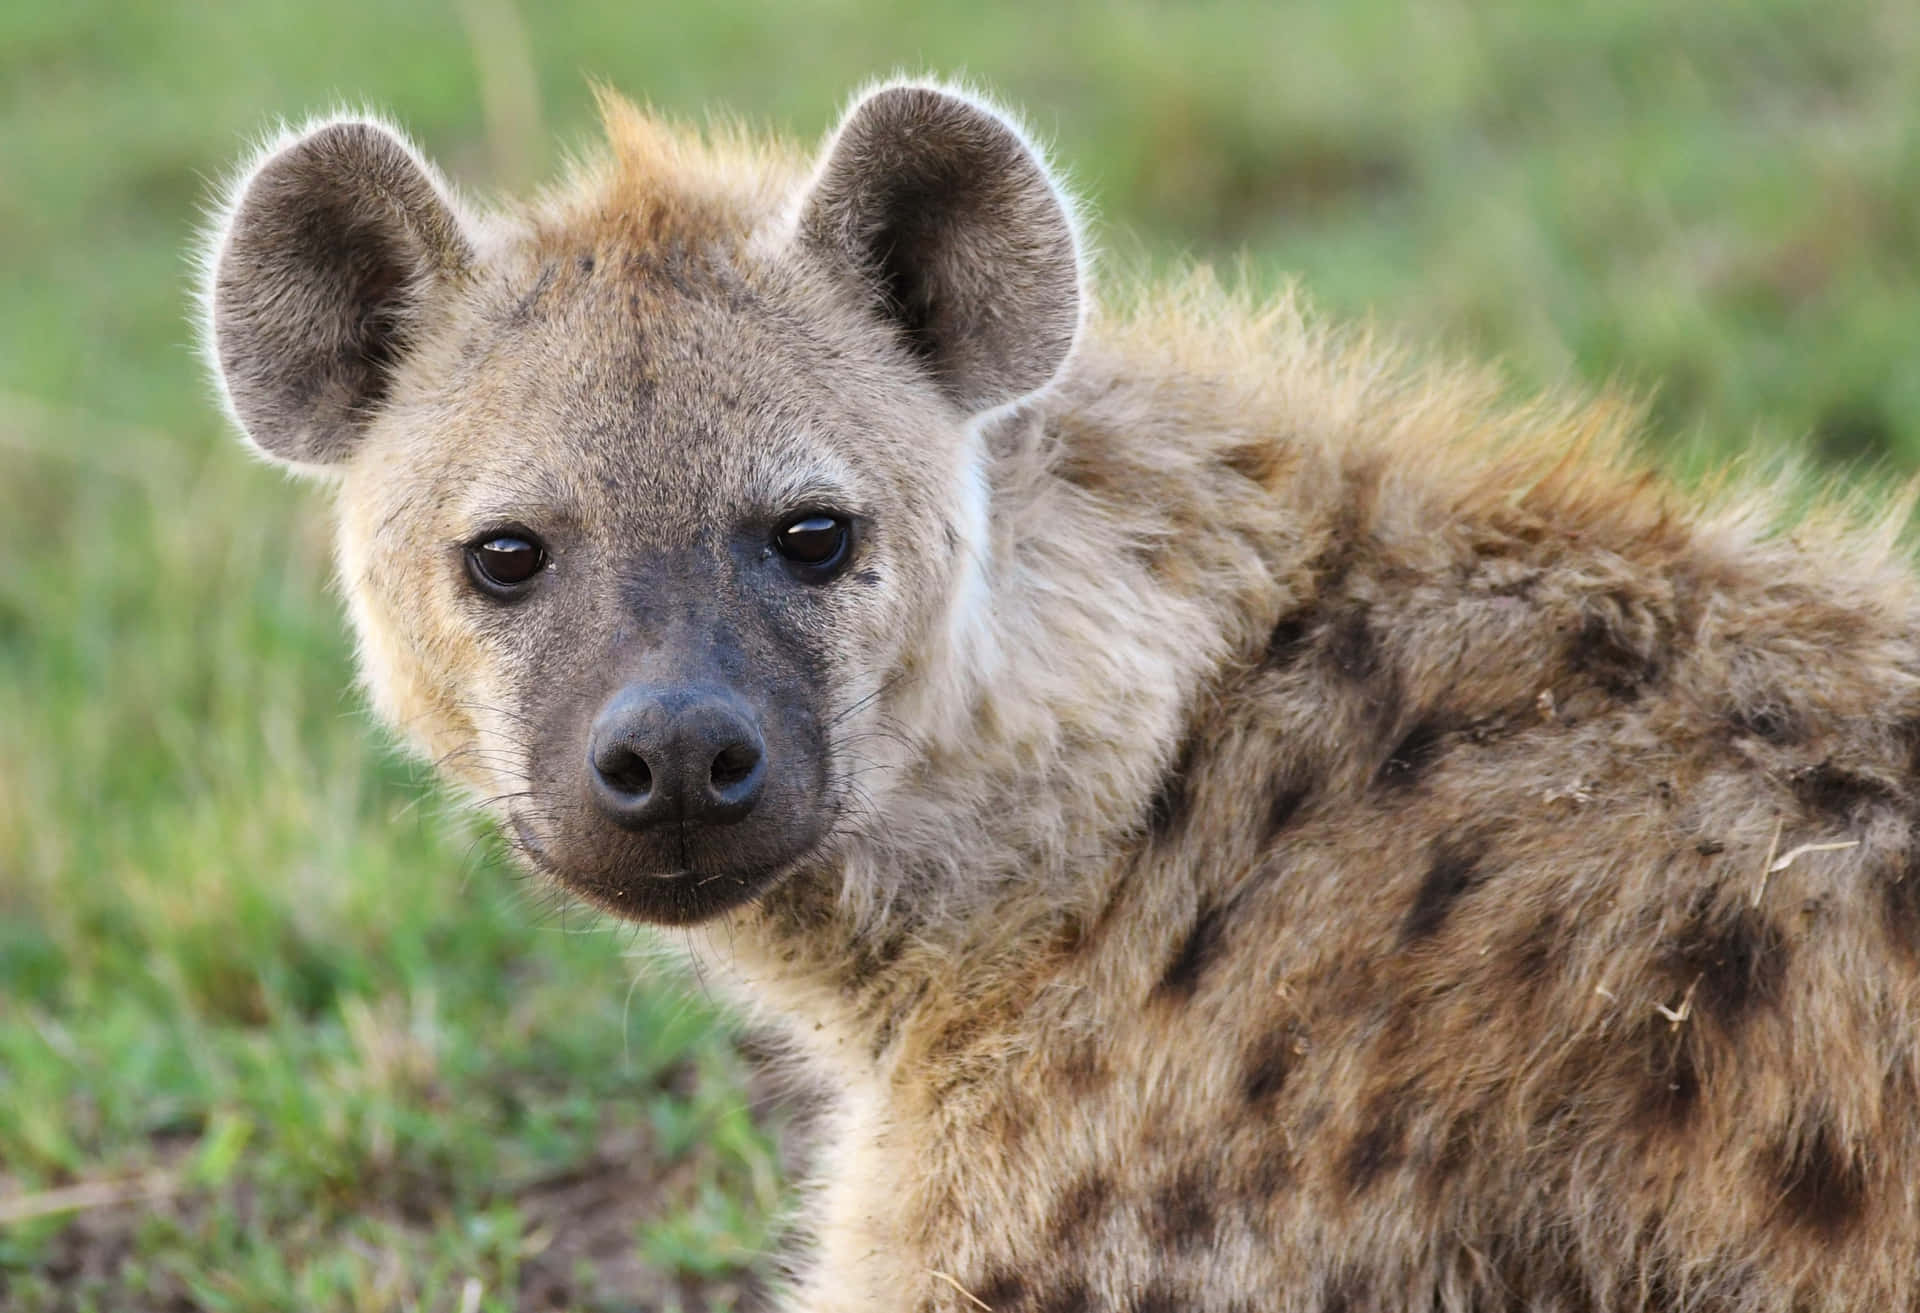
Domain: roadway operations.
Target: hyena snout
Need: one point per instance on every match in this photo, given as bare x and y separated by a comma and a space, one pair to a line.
683, 754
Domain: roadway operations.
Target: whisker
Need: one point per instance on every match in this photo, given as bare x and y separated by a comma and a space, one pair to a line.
862, 703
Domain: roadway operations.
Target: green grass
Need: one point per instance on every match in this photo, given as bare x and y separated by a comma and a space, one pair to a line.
324, 1049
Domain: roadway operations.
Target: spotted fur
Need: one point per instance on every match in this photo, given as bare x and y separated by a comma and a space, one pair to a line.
1329, 839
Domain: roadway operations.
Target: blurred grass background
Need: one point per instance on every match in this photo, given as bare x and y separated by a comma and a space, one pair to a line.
277, 1030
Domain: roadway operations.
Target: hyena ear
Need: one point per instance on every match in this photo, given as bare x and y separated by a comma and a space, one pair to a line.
334, 248
947, 213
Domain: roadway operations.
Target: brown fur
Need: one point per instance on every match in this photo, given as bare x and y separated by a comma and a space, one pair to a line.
1325, 840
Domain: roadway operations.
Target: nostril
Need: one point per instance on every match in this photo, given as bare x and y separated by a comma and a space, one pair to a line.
625, 771
734, 763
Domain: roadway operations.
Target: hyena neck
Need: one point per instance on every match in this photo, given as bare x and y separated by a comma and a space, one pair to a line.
1117, 584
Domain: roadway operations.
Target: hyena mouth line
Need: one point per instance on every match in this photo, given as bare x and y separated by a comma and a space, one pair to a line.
534, 849
531, 848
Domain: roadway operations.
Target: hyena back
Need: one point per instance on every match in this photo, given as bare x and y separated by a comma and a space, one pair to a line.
1238, 823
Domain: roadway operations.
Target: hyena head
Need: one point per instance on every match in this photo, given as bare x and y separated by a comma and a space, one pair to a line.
650, 494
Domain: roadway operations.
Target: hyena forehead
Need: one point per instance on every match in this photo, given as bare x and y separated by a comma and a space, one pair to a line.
661, 412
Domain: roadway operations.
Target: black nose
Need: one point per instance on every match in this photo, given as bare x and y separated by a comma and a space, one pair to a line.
685, 754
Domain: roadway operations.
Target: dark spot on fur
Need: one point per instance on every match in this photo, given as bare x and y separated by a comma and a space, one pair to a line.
1380, 1145
1411, 756
1195, 954
1289, 638
1286, 803
1454, 869
1606, 656
1671, 1093
1731, 961
1182, 1216
1823, 1186
883, 1037
1271, 1173
801, 905
957, 1036
1522, 586
1350, 644
1346, 537
1345, 1294
1536, 953
869, 578
1256, 462
1007, 1122
1067, 1297
1525, 1273
1068, 938
1080, 1210
584, 263
870, 958
1270, 1061
1770, 721
1168, 807
1158, 1298
1900, 898
1834, 791
1710, 847
1001, 1292
1677, 1095
679, 271
1906, 733
1452, 1154
1084, 1068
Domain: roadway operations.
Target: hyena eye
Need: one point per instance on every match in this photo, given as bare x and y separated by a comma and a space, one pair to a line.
502, 563
815, 543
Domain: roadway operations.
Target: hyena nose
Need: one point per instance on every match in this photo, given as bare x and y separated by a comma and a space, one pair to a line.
692, 755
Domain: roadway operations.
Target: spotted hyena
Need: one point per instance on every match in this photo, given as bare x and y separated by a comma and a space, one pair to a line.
1238, 822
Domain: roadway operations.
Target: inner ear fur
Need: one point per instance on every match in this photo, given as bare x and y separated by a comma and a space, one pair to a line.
967, 248
334, 247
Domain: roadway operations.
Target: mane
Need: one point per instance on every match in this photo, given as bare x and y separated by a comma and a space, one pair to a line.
1455, 436
656, 180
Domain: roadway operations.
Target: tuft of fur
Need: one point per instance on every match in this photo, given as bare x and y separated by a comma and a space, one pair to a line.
1324, 837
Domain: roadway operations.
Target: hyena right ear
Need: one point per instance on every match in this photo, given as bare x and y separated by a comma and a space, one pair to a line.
946, 213
333, 249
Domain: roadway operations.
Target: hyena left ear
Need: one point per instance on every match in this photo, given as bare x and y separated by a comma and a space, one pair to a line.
335, 247
945, 211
